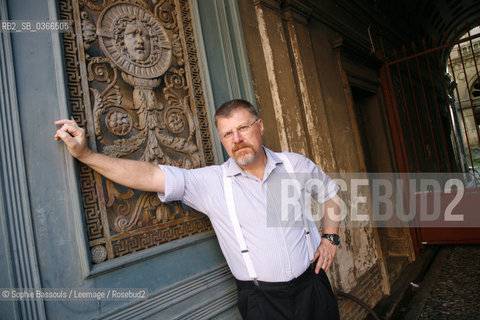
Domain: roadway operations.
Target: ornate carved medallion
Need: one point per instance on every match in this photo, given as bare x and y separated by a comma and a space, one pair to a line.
135, 87
133, 39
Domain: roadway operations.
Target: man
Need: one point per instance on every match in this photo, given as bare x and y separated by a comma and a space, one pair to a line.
272, 264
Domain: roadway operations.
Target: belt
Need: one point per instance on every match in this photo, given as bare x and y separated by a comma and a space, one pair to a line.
241, 284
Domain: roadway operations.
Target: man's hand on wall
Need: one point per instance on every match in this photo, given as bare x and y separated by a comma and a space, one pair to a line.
74, 138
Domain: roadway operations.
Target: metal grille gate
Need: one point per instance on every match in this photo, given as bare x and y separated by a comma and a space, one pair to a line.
433, 107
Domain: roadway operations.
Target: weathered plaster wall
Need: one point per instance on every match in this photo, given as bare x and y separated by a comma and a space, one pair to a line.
273, 76
301, 96
361, 248
309, 90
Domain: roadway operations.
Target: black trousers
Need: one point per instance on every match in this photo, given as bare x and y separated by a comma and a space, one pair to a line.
309, 296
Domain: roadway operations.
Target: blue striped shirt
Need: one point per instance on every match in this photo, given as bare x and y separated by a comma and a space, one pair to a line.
278, 253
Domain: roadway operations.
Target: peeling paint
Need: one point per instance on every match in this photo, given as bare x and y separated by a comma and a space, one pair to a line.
268, 55
302, 84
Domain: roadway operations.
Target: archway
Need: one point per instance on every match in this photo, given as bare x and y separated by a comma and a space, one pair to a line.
432, 108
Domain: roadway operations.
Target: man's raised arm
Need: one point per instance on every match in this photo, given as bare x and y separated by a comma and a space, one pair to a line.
130, 173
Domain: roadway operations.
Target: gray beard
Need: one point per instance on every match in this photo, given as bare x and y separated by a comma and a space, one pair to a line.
245, 160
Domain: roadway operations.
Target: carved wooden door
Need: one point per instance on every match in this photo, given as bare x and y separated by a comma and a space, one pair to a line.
135, 86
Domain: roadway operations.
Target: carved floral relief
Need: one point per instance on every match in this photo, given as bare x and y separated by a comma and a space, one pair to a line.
135, 86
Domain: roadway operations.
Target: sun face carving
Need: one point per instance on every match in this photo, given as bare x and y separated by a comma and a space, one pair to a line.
134, 40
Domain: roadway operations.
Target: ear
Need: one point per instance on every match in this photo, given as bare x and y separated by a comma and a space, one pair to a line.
260, 124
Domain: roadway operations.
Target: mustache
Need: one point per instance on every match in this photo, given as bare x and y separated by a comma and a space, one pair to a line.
240, 146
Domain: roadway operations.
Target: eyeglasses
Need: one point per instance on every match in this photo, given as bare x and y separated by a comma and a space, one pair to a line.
243, 130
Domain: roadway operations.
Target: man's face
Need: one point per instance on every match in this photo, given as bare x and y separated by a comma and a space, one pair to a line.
241, 147
137, 41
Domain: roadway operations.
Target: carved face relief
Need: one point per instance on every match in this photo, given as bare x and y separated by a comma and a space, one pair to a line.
137, 41
134, 39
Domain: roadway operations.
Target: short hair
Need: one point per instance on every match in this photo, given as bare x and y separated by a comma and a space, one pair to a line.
229, 107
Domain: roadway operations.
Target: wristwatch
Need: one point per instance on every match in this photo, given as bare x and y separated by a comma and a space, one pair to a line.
332, 237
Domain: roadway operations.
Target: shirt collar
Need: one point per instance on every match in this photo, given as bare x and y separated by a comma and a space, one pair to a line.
232, 168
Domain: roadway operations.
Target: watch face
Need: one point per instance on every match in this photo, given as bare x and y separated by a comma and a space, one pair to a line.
333, 238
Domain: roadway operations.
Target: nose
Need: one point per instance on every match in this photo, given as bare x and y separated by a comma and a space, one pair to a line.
237, 137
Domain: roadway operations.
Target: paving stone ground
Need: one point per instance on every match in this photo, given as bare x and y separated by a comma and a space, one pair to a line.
456, 290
